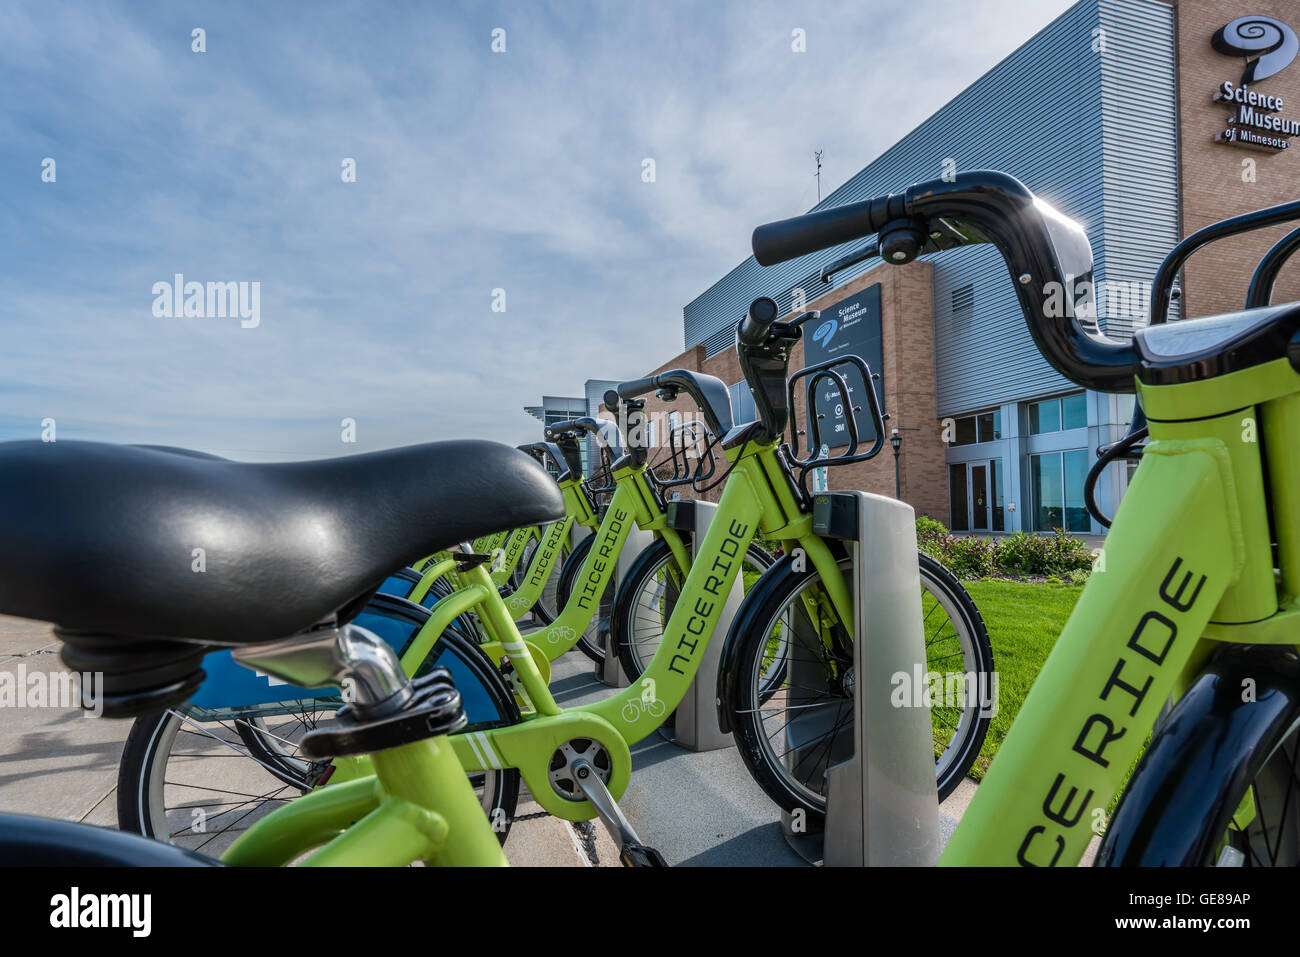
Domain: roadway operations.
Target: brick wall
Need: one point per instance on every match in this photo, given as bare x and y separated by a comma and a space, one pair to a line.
907, 326
1212, 173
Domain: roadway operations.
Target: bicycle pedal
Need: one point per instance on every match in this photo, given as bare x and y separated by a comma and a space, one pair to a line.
638, 855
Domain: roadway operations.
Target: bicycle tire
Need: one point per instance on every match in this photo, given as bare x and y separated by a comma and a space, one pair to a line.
1182, 805
748, 643
141, 807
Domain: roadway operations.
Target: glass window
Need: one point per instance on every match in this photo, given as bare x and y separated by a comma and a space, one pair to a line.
1075, 467
979, 497
965, 431
1045, 481
1125, 404
1074, 412
995, 480
1045, 417
1056, 481
989, 426
957, 498
1054, 415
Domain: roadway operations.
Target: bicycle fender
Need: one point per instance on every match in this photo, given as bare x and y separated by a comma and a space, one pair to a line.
1211, 744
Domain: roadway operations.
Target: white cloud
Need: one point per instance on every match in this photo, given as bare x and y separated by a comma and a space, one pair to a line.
475, 171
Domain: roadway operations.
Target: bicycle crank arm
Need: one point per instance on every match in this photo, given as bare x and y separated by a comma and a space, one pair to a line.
630, 849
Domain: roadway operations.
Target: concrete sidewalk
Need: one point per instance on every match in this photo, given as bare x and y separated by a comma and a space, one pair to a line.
696, 809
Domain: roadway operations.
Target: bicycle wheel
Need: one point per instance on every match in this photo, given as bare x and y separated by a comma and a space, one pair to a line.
1219, 783
589, 643
200, 779
648, 594
791, 676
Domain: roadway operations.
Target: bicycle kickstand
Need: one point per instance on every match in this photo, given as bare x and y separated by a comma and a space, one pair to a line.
630, 849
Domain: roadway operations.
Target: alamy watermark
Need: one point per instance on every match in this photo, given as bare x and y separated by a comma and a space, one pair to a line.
179, 299
23, 688
951, 689
75, 909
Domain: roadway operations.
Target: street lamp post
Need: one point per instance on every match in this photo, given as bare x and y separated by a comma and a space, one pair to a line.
896, 441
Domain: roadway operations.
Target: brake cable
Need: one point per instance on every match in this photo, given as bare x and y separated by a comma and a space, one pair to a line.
708, 450
1123, 449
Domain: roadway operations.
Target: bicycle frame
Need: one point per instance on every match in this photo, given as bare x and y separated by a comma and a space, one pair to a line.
403, 813
511, 552
521, 601
756, 498
577, 511
633, 501
1188, 562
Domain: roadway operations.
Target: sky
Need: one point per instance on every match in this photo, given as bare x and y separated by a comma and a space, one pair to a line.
499, 240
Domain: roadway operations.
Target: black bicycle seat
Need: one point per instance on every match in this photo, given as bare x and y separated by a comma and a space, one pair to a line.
106, 539
1193, 349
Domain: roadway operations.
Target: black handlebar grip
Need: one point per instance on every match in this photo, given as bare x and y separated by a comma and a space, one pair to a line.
630, 390
753, 328
776, 242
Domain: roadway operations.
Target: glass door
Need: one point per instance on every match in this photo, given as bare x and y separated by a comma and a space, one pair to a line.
979, 497
975, 496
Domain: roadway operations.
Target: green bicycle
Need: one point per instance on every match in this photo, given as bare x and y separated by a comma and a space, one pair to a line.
804, 626
1187, 626
176, 779
283, 600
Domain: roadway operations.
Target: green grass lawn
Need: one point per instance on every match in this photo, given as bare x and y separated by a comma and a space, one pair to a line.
1024, 620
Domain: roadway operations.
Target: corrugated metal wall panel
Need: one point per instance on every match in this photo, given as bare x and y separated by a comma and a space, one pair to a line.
1041, 115
1140, 144
720, 341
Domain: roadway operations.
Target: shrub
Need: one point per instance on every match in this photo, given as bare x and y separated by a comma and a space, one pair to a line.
930, 535
1059, 556
969, 557
1067, 554
1025, 554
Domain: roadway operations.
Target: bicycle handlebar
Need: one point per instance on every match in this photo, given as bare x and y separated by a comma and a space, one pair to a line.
542, 450
1163, 282
605, 431
789, 238
758, 319
1047, 254
1261, 283
709, 392
636, 387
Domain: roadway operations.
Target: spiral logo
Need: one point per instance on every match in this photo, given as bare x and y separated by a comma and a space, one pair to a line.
1273, 44
825, 332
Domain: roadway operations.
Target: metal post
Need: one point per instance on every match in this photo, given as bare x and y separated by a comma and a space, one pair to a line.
609, 671
882, 805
